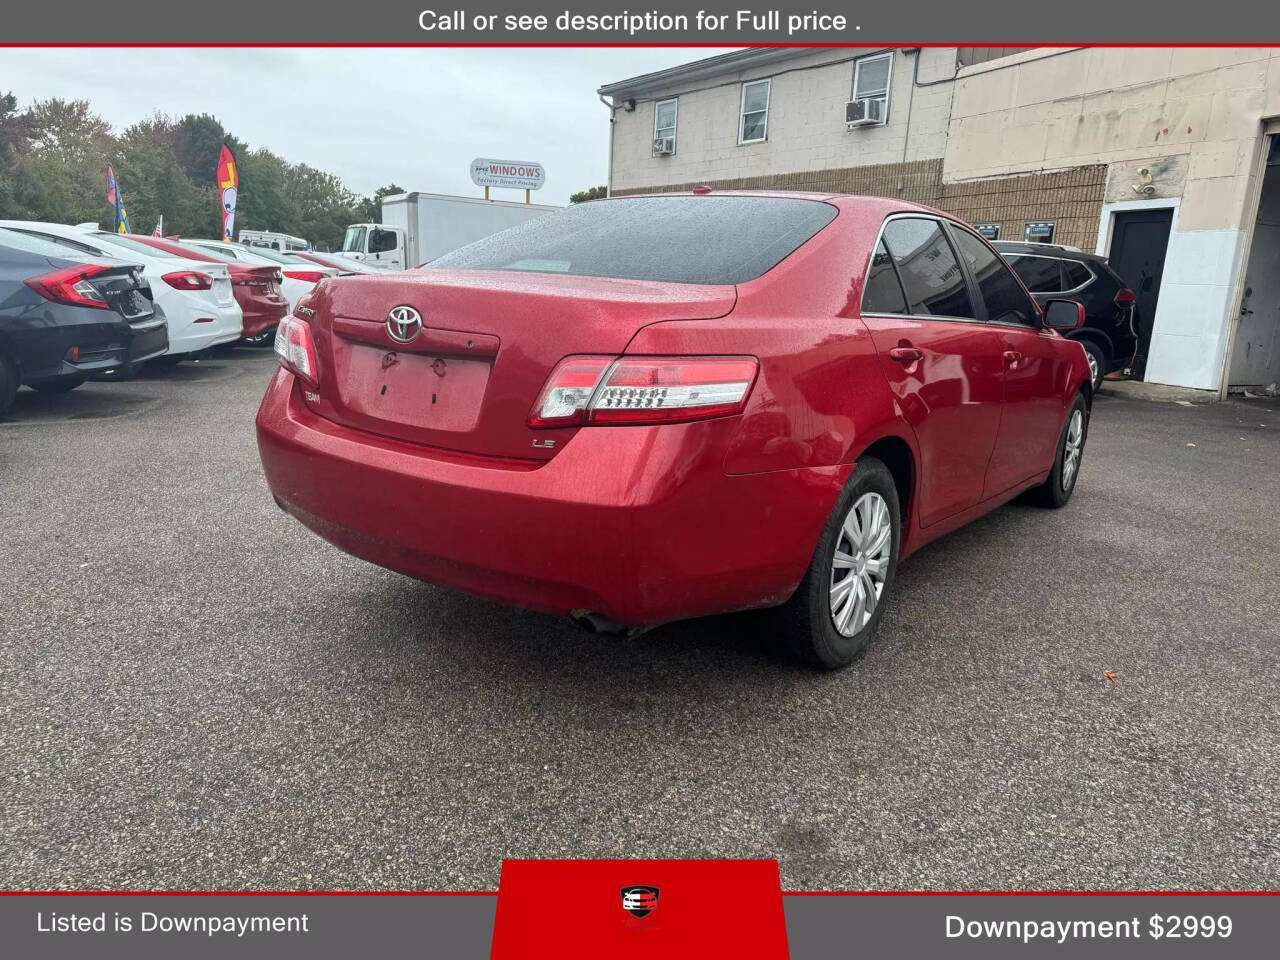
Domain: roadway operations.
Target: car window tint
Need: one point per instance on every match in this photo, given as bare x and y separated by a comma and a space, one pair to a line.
30, 243
1077, 273
678, 239
63, 242
1040, 274
883, 292
1004, 297
930, 272
134, 246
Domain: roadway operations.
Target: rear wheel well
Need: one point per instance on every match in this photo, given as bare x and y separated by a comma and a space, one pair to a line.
894, 453
1098, 339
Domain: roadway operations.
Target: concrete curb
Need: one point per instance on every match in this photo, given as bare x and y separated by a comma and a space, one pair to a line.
1160, 392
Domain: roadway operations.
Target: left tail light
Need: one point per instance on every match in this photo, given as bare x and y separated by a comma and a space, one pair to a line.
643, 390
71, 285
188, 280
307, 276
296, 349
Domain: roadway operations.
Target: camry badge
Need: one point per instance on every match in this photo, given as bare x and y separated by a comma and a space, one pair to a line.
404, 324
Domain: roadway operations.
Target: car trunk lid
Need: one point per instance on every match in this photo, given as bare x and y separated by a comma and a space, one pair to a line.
466, 379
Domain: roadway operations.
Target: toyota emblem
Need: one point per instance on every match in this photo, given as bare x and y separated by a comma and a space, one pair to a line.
404, 324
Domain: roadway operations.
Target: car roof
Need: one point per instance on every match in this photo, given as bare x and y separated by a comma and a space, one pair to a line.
1054, 250
863, 203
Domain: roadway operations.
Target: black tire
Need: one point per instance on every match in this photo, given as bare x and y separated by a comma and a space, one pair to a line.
1097, 363
58, 384
8, 384
168, 360
806, 621
1054, 492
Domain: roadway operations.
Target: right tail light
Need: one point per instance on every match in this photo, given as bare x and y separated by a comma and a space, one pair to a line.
1126, 297
643, 390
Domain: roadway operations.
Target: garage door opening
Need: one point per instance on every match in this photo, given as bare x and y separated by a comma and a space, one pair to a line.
1139, 242
1255, 359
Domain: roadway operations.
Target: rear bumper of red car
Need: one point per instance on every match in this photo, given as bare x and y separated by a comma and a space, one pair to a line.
638, 524
261, 313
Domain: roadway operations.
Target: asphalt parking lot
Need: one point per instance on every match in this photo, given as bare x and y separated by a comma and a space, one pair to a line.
199, 694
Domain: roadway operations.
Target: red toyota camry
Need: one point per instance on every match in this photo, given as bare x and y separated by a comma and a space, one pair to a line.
643, 409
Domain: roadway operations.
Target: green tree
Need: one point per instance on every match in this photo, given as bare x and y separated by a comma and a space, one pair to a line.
70, 149
53, 160
594, 193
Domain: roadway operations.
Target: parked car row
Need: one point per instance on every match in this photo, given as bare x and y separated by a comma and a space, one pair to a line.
65, 316
81, 302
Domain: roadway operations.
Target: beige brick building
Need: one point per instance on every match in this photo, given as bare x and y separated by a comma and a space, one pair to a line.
1093, 147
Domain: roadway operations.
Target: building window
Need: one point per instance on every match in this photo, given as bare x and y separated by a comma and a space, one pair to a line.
664, 128
753, 125
1039, 231
871, 89
989, 230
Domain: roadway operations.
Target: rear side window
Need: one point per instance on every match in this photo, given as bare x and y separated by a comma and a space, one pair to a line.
931, 275
1001, 293
1040, 274
1077, 274
883, 292
690, 239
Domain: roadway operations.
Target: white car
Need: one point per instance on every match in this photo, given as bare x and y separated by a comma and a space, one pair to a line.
298, 276
195, 295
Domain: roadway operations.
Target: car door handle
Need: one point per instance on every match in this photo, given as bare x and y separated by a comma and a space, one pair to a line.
1012, 358
906, 354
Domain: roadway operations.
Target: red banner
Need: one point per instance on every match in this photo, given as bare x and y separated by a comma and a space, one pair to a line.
228, 179
639, 908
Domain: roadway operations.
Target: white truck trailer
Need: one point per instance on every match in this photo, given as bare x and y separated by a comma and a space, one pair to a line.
417, 227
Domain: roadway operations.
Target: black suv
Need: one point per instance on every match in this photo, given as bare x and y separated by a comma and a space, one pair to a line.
1110, 331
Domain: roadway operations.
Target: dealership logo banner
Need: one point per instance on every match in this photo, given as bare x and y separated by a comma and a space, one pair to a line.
1004, 22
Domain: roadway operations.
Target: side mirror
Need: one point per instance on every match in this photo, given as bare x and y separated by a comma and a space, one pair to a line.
1063, 315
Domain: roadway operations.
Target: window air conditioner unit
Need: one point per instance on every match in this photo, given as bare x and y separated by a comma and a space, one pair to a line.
864, 112
664, 146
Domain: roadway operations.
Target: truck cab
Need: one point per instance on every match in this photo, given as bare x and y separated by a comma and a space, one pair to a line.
377, 245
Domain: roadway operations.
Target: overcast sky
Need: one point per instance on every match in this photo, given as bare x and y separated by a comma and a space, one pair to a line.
416, 117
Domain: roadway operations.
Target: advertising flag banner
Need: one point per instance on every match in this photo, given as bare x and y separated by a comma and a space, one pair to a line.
228, 188
117, 203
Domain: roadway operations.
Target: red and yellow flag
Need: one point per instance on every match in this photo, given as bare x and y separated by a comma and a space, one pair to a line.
228, 187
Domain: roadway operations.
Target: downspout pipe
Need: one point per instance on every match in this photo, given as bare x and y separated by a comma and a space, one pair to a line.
608, 189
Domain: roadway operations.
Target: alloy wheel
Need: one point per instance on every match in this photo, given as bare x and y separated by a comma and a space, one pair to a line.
860, 563
1071, 449
1093, 365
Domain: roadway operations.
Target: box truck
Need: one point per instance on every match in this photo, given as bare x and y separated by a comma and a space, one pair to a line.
417, 227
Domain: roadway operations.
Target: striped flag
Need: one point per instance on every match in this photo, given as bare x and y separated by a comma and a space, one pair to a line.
117, 201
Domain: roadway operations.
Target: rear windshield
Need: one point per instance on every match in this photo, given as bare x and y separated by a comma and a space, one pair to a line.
217, 253
275, 256
690, 239
44, 248
137, 246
